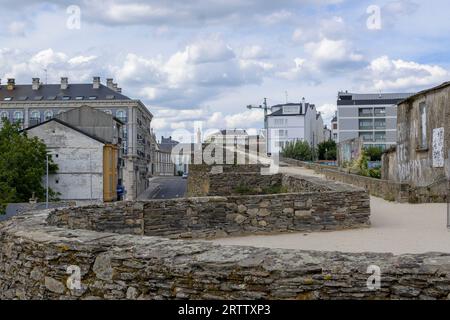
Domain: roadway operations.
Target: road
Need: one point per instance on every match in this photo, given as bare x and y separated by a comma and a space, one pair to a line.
170, 187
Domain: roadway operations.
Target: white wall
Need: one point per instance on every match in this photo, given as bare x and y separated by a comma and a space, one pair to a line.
295, 126
79, 158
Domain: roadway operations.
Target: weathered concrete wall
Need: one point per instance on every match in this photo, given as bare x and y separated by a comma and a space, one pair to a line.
79, 159
413, 165
349, 150
37, 261
314, 210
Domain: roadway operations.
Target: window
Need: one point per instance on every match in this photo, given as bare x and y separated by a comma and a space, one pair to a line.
380, 136
107, 111
280, 122
380, 124
366, 136
4, 115
35, 117
65, 98
380, 112
93, 98
282, 133
48, 115
18, 116
121, 115
366, 112
423, 126
365, 124
51, 98
7, 98
79, 98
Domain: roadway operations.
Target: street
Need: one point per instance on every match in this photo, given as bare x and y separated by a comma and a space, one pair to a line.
169, 187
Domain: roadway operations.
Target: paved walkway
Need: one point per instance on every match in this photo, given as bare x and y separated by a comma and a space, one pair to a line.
397, 228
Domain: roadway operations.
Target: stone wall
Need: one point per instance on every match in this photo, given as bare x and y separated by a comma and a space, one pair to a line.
38, 261
316, 209
206, 180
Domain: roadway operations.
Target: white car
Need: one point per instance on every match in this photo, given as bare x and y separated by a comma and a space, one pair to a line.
185, 175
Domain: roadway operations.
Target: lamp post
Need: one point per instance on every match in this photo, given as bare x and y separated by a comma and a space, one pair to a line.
46, 182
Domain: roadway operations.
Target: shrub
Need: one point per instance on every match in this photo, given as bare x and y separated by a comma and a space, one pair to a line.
299, 150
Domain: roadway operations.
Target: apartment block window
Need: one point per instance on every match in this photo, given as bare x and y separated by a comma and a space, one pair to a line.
48, 115
366, 124
423, 144
282, 133
35, 118
380, 136
380, 112
380, 124
366, 112
366, 136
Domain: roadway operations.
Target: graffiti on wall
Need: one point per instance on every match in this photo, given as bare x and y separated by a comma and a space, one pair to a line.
438, 148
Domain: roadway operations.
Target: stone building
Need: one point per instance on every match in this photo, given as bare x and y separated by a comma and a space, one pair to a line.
88, 165
34, 103
421, 158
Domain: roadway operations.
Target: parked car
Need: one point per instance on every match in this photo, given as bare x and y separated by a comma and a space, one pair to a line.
185, 175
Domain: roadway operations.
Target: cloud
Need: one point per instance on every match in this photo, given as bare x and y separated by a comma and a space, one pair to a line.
386, 74
327, 110
188, 77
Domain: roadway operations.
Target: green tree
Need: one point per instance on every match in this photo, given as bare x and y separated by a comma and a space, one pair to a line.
374, 153
327, 150
22, 166
299, 150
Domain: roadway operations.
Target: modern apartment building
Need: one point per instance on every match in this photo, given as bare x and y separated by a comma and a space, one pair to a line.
291, 122
334, 128
370, 116
31, 104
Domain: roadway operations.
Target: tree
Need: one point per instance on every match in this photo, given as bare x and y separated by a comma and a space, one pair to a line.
22, 166
327, 150
374, 153
299, 150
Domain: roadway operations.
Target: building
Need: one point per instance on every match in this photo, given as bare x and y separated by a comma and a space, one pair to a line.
291, 122
326, 133
421, 157
372, 117
162, 164
35, 103
334, 128
88, 166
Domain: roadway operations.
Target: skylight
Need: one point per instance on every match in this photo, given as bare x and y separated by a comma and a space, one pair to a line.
65, 98
51, 97
7, 99
110, 97
93, 98
79, 98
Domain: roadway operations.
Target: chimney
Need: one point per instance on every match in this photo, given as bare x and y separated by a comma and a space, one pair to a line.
64, 83
110, 83
114, 87
96, 82
119, 90
36, 84
11, 84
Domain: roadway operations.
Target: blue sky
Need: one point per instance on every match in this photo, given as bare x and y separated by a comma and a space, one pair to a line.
206, 60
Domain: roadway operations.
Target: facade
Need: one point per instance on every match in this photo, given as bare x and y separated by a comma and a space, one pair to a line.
291, 122
334, 128
421, 158
373, 117
88, 166
36, 103
326, 133
162, 164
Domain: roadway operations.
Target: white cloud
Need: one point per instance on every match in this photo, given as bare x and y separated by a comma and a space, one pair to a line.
386, 74
327, 110
81, 60
17, 28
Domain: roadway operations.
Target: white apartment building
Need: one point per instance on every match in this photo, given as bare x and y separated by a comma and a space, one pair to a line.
291, 122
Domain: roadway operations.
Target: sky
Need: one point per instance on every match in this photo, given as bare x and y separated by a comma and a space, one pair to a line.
204, 61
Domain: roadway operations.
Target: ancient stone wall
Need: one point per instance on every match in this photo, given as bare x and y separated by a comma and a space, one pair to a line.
210, 217
38, 261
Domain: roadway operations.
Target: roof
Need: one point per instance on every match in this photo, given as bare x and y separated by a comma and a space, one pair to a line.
69, 126
414, 96
233, 132
334, 119
348, 98
52, 92
280, 112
